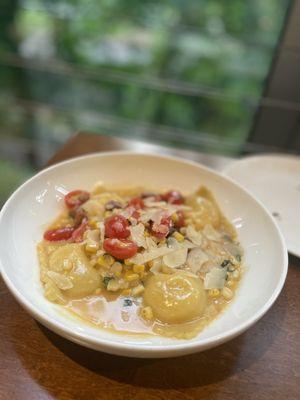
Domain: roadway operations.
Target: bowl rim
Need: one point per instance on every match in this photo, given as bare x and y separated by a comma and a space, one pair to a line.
111, 346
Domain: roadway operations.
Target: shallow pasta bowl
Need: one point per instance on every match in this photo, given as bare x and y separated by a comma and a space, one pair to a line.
29, 210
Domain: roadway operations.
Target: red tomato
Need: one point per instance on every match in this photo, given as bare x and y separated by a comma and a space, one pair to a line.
180, 221
137, 203
162, 230
76, 198
116, 226
77, 235
55, 235
173, 197
120, 249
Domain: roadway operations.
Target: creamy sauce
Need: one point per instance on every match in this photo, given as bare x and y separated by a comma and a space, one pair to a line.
109, 312
72, 277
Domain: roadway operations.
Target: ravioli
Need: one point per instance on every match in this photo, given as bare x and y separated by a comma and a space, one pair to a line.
175, 298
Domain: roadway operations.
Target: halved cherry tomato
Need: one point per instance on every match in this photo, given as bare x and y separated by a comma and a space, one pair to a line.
137, 203
180, 221
76, 198
120, 248
162, 230
78, 233
116, 226
173, 197
55, 235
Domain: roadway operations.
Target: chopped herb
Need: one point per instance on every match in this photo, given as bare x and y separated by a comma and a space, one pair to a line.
238, 258
106, 279
227, 237
127, 303
225, 263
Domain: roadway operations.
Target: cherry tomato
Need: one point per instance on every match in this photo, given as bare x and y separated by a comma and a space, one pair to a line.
162, 230
76, 198
120, 248
77, 235
137, 203
173, 197
116, 226
180, 221
55, 235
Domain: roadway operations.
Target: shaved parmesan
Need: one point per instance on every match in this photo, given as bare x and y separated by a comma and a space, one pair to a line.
142, 258
102, 232
215, 279
150, 243
211, 233
137, 234
196, 258
175, 259
61, 281
156, 267
194, 236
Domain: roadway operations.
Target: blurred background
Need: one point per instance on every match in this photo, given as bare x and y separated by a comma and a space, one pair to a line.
208, 75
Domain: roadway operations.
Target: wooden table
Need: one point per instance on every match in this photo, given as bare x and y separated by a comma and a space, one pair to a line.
263, 363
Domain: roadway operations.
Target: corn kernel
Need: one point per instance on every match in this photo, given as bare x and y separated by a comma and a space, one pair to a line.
214, 292
98, 291
227, 293
129, 276
93, 224
174, 218
101, 261
91, 247
136, 291
113, 285
147, 313
116, 269
126, 292
107, 214
105, 261
109, 259
146, 233
139, 268
128, 262
230, 283
163, 241
178, 236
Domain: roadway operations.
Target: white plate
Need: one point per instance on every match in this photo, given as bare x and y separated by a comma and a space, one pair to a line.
275, 180
39, 200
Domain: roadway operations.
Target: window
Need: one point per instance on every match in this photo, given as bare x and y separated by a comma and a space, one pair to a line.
186, 74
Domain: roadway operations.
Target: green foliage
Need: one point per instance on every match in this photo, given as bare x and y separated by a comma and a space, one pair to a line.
197, 66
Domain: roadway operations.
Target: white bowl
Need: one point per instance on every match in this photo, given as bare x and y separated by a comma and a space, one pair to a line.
38, 201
